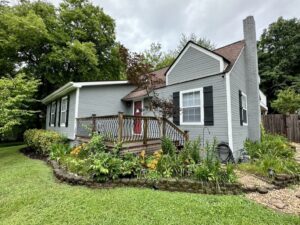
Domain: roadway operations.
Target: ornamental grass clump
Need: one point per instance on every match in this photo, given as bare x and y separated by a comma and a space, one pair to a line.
273, 152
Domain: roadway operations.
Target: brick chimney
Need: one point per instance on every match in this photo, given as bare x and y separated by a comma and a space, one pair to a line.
253, 101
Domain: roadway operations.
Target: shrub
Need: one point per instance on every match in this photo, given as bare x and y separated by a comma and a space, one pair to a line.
96, 144
273, 145
168, 146
191, 152
58, 150
41, 140
272, 152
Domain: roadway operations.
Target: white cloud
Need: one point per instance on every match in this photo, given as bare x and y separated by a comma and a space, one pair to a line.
141, 22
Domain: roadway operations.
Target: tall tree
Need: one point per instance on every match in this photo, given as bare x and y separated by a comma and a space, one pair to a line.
204, 42
287, 101
279, 56
156, 58
74, 42
16, 95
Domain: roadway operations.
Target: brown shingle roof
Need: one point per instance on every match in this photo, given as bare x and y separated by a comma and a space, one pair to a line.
229, 52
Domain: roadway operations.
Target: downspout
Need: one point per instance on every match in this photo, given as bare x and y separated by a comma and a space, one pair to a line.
76, 110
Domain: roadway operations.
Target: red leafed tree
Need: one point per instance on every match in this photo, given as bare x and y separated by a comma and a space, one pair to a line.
139, 73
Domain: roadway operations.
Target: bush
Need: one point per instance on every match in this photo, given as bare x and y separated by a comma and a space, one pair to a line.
191, 152
58, 150
168, 146
273, 145
273, 152
41, 141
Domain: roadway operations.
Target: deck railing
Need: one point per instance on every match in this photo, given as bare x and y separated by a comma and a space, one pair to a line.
127, 128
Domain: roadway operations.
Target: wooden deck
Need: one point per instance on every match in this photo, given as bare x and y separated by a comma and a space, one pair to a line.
133, 147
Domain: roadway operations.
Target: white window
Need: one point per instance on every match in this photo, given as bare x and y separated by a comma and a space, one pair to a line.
191, 104
244, 109
63, 111
52, 114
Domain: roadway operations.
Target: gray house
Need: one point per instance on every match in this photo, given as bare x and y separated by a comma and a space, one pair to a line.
217, 93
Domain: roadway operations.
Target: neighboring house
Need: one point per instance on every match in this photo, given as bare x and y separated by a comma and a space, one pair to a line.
217, 93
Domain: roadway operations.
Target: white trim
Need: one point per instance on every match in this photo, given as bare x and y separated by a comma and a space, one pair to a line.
203, 50
142, 113
61, 111
201, 107
52, 123
73, 85
100, 83
229, 111
228, 97
243, 94
76, 110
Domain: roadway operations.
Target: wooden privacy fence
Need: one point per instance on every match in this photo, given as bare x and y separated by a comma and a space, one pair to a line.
286, 125
127, 128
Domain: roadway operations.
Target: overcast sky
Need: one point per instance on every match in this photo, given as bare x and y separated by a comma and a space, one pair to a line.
141, 22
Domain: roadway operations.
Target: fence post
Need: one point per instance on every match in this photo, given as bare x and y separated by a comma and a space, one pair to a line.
120, 127
186, 135
93, 123
164, 127
145, 131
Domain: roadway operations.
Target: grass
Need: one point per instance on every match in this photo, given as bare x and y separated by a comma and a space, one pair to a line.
29, 194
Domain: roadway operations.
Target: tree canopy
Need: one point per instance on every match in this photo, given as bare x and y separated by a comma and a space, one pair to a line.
75, 41
279, 57
16, 95
288, 101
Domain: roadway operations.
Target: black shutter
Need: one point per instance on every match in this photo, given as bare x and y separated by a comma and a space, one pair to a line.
241, 107
59, 113
55, 113
50, 114
176, 109
67, 113
208, 106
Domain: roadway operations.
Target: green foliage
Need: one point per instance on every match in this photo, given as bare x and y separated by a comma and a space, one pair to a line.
279, 56
272, 152
168, 146
59, 150
74, 41
270, 144
191, 152
210, 168
96, 144
42, 140
158, 59
204, 42
27, 187
288, 101
16, 95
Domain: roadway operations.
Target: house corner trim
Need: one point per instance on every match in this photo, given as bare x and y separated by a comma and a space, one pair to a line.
229, 111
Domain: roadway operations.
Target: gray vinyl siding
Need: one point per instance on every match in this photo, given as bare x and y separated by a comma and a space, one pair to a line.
66, 131
238, 81
103, 100
193, 64
219, 129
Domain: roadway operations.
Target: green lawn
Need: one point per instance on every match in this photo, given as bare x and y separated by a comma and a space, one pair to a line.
29, 194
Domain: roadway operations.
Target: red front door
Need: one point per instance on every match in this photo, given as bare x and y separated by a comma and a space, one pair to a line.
137, 111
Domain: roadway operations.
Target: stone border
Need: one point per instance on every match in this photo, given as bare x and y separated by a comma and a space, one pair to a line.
179, 185
284, 180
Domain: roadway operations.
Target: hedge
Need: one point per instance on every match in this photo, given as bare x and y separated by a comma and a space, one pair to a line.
42, 140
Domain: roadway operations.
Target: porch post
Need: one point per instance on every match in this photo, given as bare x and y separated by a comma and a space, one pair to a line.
120, 127
164, 126
145, 131
93, 123
186, 135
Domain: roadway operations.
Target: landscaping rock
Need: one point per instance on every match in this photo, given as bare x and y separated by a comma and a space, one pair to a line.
262, 190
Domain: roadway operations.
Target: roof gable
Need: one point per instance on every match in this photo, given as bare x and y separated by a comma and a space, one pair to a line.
193, 45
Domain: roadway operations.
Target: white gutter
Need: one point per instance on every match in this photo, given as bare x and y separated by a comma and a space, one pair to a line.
73, 85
